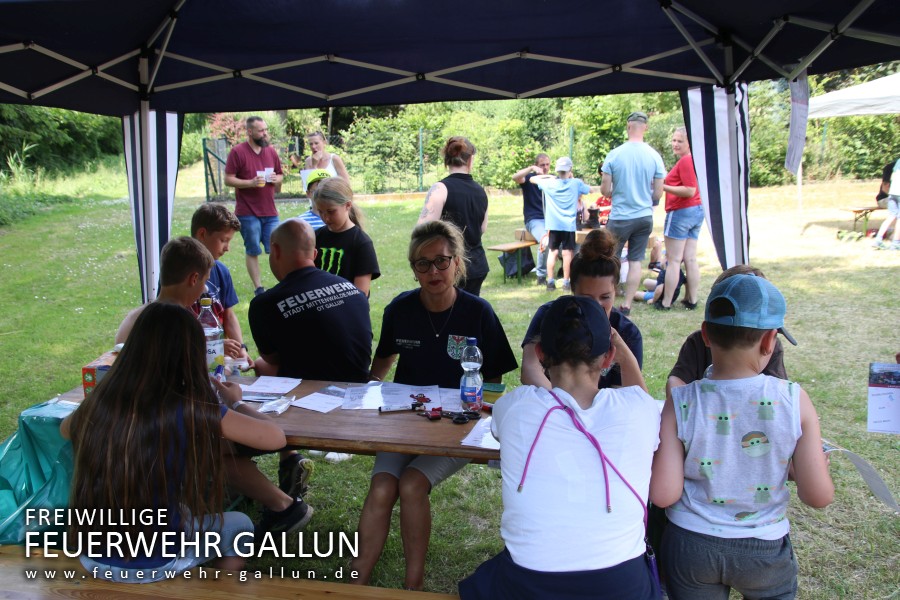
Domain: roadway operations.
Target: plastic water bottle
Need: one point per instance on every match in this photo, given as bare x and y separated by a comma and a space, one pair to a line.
470, 386
215, 335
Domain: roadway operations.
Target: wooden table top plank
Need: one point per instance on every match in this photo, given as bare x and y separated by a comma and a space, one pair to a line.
364, 431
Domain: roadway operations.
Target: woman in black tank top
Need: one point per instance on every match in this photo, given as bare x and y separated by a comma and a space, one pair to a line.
461, 200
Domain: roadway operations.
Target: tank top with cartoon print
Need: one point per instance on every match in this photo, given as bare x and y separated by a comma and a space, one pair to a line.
739, 436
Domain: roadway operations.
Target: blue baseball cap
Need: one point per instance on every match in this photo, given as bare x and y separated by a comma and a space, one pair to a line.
574, 319
757, 304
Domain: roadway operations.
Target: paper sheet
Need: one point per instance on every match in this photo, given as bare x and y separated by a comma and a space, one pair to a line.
271, 385
450, 400
363, 397
481, 436
318, 402
376, 394
884, 398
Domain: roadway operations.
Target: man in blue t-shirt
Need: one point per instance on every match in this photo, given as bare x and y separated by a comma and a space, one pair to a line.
562, 193
633, 176
533, 209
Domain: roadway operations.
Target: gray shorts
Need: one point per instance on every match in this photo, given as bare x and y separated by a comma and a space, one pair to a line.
634, 231
434, 468
704, 567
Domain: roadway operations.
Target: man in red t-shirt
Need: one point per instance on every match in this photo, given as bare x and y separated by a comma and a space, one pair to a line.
254, 171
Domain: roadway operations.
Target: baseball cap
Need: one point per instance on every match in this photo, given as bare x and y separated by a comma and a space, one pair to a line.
638, 116
564, 164
315, 175
757, 304
575, 319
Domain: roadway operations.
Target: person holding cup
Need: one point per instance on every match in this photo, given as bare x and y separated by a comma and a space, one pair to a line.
253, 169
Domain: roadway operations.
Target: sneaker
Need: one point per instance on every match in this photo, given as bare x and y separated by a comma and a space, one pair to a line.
541, 280
566, 285
259, 291
551, 285
879, 245
316, 452
658, 305
290, 520
689, 305
293, 475
625, 310
336, 457
894, 246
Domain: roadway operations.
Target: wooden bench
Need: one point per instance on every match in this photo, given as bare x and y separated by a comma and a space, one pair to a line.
64, 577
514, 248
862, 213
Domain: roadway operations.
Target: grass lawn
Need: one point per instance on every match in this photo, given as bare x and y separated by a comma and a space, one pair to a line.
68, 275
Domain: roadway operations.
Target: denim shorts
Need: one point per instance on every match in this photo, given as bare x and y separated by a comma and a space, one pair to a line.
634, 231
684, 223
705, 567
893, 206
232, 525
256, 231
434, 468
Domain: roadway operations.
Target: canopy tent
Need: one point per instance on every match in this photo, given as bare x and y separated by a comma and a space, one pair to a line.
877, 97
175, 56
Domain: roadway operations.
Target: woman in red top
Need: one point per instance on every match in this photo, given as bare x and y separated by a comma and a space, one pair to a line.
684, 217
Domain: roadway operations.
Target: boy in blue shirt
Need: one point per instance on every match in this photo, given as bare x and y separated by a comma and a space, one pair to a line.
563, 193
728, 445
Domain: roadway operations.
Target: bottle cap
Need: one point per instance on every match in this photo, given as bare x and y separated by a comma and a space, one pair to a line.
471, 341
207, 301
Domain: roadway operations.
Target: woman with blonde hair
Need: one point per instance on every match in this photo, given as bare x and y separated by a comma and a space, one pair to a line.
424, 330
343, 248
319, 158
684, 218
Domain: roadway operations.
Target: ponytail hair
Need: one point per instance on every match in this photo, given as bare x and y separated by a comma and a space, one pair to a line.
458, 151
337, 192
597, 257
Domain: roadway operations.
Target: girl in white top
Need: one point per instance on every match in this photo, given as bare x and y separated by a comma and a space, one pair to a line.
320, 159
576, 470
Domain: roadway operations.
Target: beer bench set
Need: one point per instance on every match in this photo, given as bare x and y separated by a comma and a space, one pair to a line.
526, 240
861, 213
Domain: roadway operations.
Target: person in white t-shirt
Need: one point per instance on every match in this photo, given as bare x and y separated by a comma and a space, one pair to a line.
576, 465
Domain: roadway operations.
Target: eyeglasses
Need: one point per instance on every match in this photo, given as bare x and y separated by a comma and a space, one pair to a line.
441, 263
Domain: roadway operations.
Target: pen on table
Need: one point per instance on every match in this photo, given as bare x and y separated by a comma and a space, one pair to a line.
400, 407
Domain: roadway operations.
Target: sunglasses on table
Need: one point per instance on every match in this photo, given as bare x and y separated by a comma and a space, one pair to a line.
441, 263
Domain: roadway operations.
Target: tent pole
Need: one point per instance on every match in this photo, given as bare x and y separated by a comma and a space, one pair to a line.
147, 174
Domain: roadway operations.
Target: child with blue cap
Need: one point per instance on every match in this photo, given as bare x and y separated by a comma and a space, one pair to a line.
728, 445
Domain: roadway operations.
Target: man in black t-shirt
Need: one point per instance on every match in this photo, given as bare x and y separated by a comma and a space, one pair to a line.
313, 324
533, 208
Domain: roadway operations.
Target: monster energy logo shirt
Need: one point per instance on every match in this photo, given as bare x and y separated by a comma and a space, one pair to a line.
347, 254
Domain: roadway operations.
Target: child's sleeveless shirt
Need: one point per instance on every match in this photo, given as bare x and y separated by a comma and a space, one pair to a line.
739, 436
